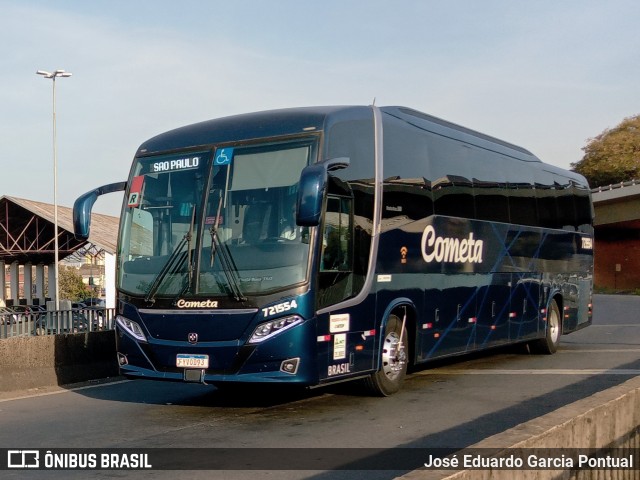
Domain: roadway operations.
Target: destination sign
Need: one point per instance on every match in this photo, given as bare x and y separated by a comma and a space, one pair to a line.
173, 163
176, 164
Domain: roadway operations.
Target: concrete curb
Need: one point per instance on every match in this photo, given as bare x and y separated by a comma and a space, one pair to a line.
594, 422
41, 361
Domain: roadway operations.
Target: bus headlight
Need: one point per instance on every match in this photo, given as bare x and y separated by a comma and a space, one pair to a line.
131, 327
273, 327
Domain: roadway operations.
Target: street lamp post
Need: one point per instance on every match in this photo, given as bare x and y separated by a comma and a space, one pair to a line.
53, 76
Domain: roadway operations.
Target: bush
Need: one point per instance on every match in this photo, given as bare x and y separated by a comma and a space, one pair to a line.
71, 285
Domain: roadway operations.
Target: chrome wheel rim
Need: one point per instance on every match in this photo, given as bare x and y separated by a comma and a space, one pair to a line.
554, 326
393, 356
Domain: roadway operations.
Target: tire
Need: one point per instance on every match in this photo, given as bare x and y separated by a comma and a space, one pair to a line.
549, 344
393, 360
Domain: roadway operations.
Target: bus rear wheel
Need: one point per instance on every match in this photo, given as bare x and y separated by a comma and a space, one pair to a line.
393, 360
549, 344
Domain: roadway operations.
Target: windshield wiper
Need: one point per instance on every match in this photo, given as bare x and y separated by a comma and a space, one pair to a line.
214, 232
175, 261
227, 263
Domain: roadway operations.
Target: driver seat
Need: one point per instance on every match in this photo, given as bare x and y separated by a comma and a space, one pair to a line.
255, 221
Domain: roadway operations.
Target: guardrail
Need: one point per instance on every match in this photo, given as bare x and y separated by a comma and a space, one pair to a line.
613, 186
59, 322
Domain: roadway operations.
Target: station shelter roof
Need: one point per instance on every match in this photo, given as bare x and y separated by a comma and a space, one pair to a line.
27, 232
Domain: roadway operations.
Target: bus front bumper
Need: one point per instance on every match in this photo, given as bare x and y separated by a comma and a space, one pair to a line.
288, 358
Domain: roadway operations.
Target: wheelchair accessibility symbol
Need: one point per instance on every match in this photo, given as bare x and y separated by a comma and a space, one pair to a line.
224, 156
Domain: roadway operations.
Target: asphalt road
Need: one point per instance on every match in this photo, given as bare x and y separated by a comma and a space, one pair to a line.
452, 404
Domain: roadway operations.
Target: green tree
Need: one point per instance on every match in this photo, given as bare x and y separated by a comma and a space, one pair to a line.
613, 156
71, 284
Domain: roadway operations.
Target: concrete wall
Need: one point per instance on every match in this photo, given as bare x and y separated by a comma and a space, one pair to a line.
606, 419
41, 361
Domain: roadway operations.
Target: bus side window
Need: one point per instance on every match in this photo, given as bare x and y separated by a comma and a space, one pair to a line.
584, 209
336, 236
545, 190
336, 277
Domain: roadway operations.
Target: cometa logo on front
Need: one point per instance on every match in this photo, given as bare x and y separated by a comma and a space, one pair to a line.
450, 250
182, 303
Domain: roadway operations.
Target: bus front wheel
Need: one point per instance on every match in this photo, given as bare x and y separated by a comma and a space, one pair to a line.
549, 344
393, 360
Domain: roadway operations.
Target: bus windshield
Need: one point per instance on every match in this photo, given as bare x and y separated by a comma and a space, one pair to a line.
215, 223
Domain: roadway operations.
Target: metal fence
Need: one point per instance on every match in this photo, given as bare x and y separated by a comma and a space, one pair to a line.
613, 186
80, 320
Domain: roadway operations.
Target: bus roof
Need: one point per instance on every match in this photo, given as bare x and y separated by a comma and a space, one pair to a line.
247, 126
448, 129
290, 121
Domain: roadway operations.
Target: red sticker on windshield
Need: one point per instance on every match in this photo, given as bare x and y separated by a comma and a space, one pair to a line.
135, 194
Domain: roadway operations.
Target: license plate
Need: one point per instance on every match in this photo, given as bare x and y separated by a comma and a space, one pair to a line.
186, 360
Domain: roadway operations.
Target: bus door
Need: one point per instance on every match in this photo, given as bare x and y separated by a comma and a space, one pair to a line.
346, 337
494, 302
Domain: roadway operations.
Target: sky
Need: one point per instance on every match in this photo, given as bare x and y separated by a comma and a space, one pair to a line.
547, 75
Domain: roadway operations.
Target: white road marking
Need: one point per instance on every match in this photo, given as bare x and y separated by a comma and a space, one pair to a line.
554, 371
599, 350
60, 390
616, 325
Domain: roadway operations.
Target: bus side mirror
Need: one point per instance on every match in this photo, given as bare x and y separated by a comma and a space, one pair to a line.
311, 189
83, 205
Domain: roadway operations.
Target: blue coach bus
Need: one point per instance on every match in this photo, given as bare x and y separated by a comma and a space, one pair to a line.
316, 245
